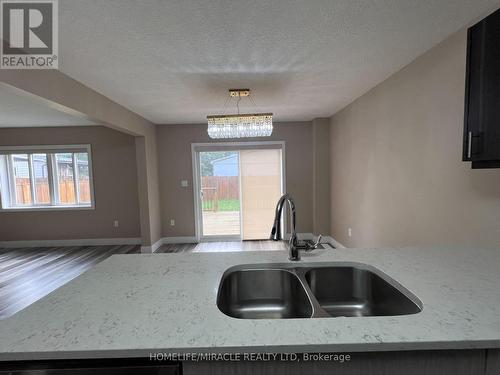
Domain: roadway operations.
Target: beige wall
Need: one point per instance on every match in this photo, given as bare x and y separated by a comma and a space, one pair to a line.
321, 176
115, 186
396, 172
174, 160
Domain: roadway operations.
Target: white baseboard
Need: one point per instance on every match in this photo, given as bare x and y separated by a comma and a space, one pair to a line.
151, 249
185, 239
167, 240
74, 242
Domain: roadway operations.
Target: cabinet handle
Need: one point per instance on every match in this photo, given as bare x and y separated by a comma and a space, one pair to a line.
469, 145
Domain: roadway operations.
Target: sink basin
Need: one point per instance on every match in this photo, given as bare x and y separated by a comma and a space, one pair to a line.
351, 291
284, 291
263, 294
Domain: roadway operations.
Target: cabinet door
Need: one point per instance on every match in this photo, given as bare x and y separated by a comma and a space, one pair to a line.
493, 362
482, 112
439, 362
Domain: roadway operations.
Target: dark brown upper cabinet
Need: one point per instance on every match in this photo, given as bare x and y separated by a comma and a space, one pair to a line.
481, 143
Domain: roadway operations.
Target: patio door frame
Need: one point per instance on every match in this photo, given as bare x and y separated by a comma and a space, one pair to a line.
196, 148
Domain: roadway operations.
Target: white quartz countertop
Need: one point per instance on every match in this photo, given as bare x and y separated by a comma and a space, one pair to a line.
132, 305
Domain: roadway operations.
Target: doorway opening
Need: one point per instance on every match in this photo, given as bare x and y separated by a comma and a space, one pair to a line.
236, 188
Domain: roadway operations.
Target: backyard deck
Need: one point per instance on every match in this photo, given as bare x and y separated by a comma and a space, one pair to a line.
221, 223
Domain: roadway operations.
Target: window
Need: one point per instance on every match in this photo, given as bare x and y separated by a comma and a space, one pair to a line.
46, 177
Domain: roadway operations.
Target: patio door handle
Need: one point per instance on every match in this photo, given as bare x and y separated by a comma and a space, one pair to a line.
201, 194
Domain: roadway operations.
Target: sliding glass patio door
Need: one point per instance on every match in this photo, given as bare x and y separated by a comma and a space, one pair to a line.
220, 195
260, 190
236, 190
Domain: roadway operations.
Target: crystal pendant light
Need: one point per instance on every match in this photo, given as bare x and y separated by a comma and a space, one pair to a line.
240, 125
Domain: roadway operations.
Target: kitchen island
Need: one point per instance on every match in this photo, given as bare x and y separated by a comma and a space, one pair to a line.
131, 306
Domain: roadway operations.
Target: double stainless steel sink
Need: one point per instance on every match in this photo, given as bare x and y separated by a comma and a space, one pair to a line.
283, 291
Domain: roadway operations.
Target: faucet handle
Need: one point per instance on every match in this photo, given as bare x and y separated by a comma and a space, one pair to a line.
318, 241
311, 245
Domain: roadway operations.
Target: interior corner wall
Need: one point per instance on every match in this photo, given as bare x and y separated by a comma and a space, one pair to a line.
115, 186
154, 179
397, 177
175, 164
321, 175
142, 187
149, 191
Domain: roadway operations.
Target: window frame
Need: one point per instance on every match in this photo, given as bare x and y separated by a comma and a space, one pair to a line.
7, 201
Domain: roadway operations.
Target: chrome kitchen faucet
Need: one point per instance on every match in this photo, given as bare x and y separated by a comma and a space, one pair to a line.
294, 245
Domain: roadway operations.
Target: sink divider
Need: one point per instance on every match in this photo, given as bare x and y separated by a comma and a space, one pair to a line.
318, 311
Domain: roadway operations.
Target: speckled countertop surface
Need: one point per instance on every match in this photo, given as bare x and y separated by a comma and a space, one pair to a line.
131, 305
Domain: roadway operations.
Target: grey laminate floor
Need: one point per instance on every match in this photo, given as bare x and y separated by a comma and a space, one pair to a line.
28, 274
220, 247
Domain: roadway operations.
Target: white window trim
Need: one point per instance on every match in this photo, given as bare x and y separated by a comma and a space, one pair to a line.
196, 148
51, 168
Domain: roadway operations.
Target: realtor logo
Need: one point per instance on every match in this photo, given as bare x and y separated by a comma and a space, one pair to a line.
29, 34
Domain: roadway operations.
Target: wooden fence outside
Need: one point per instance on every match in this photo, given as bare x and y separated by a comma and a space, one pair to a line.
67, 192
227, 186
217, 188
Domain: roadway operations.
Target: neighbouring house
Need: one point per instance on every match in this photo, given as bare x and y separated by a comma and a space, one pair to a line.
226, 166
64, 165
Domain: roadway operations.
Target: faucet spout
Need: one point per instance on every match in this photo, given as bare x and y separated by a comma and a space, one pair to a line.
294, 244
276, 234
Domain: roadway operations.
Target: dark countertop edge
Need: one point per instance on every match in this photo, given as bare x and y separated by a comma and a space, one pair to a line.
323, 348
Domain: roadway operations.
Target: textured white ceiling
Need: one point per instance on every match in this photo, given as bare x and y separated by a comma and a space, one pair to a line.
172, 61
22, 110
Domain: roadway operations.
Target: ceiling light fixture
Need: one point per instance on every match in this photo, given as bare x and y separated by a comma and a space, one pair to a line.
240, 125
